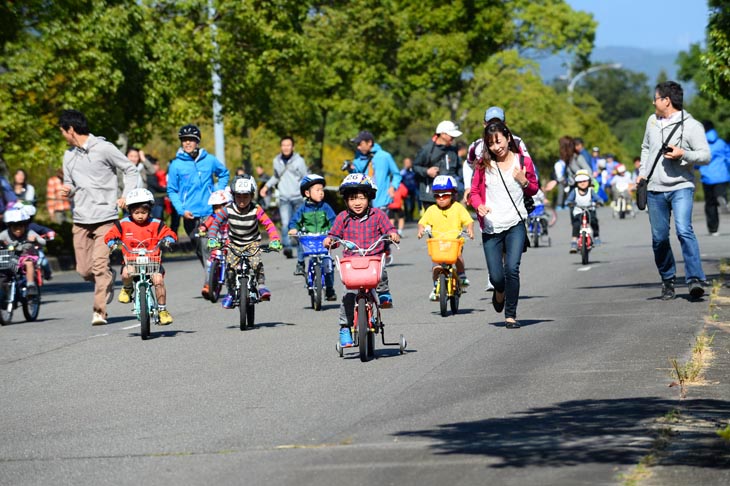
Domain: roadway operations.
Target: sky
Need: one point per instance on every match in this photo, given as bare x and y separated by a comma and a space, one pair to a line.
670, 25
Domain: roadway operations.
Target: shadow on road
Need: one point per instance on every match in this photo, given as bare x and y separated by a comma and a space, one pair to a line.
523, 322
162, 334
569, 433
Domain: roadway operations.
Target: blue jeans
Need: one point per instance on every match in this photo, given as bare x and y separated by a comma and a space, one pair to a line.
503, 252
287, 208
661, 205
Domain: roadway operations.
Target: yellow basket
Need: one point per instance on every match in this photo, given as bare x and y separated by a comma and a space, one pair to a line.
443, 250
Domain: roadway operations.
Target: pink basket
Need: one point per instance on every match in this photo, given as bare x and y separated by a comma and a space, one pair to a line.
360, 272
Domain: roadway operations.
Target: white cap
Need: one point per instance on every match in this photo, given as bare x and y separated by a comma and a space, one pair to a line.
449, 128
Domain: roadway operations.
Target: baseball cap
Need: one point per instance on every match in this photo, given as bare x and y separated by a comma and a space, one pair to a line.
449, 128
363, 135
494, 112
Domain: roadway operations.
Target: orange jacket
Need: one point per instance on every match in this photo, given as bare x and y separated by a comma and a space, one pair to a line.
132, 234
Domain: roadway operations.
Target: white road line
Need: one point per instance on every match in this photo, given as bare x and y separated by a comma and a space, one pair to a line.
131, 327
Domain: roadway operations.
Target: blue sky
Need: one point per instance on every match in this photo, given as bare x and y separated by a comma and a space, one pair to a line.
670, 25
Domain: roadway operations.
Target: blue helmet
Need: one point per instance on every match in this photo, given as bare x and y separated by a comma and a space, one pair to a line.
310, 180
444, 183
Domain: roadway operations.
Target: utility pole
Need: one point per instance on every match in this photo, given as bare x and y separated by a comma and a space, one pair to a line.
220, 142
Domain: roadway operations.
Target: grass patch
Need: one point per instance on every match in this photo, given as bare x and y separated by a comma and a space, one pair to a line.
690, 373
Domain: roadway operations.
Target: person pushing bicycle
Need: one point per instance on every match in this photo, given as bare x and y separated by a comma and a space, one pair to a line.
139, 228
447, 218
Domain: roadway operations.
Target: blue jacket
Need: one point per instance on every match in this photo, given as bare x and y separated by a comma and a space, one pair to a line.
718, 170
312, 217
190, 182
382, 170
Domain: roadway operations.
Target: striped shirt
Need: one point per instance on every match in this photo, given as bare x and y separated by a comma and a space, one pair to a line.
243, 226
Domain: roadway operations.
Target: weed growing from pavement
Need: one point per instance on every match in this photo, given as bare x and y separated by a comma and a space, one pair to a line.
642, 471
690, 373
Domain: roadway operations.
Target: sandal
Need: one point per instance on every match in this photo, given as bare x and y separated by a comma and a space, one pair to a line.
498, 306
511, 323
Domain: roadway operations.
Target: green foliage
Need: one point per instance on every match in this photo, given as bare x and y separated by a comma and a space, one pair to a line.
717, 57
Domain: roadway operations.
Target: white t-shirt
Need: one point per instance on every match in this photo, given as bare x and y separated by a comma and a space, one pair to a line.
503, 215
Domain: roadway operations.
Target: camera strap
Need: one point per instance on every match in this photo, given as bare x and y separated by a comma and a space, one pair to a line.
508, 193
664, 144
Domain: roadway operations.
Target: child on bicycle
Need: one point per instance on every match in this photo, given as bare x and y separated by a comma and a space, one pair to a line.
362, 224
23, 240
314, 216
243, 217
447, 218
140, 228
45, 232
583, 196
539, 199
218, 200
622, 183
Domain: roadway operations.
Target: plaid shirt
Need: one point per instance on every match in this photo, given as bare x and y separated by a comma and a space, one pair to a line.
362, 231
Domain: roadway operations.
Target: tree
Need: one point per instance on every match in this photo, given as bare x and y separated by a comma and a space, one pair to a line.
717, 57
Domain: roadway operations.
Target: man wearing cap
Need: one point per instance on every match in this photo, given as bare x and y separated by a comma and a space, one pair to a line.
437, 157
370, 159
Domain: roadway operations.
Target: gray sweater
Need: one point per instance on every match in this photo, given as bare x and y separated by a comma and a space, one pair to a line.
91, 171
287, 177
672, 174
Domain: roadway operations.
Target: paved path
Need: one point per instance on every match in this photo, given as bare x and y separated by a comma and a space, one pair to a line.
567, 399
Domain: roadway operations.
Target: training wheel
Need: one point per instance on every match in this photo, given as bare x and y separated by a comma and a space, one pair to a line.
340, 350
402, 344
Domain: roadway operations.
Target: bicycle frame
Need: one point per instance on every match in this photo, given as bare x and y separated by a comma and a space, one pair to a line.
311, 245
14, 283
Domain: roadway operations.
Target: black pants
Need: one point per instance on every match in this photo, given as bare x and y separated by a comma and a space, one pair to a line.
713, 193
200, 244
576, 219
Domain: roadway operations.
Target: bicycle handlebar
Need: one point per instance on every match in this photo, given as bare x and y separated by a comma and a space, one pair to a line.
353, 247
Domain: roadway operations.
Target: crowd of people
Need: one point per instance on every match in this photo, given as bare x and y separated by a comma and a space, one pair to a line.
494, 176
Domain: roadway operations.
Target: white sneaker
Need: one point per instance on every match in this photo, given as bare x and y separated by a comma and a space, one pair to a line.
98, 320
432, 296
489, 287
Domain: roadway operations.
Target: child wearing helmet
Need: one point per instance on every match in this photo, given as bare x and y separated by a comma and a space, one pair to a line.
582, 196
47, 233
140, 228
22, 240
217, 200
622, 183
314, 216
446, 219
362, 224
243, 217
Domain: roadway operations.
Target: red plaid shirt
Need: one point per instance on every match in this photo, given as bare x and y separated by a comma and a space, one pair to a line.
362, 231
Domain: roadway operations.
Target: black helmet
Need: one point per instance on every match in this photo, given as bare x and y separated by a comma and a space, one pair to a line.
189, 131
308, 181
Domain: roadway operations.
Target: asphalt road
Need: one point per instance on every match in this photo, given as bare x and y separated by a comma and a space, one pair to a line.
570, 398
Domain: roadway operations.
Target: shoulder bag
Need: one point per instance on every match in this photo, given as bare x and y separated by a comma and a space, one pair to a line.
527, 240
643, 184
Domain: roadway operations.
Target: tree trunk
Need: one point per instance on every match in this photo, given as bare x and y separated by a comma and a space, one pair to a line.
317, 163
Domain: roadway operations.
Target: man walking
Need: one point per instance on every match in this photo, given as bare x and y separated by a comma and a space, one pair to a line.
674, 143
90, 168
289, 170
715, 177
438, 157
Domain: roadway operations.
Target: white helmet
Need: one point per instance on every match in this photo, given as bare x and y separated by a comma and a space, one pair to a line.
28, 208
243, 185
15, 215
139, 196
219, 197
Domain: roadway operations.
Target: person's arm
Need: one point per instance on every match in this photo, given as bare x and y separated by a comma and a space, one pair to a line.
268, 225
420, 164
215, 227
112, 234
296, 218
222, 174
172, 188
274, 179
129, 170
571, 197
395, 178
38, 239
698, 151
644, 167
532, 185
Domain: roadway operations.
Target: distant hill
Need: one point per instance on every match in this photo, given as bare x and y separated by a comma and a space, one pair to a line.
647, 61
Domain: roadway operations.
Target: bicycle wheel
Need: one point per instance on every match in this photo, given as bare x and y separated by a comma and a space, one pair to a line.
144, 312
456, 295
584, 249
32, 306
243, 300
214, 286
362, 328
443, 295
250, 311
317, 288
6, 316
535, 234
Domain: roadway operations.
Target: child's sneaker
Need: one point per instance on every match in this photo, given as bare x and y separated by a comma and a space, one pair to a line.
464, 280
32, 290
205, 292
574, 247
330, 294
300, 269
345, 337
165, 318
227, 302
386, 301
432, 296
125, 295
597, 241
264, 294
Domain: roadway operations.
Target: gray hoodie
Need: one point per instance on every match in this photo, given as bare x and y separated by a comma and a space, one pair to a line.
671, 174
91, 171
